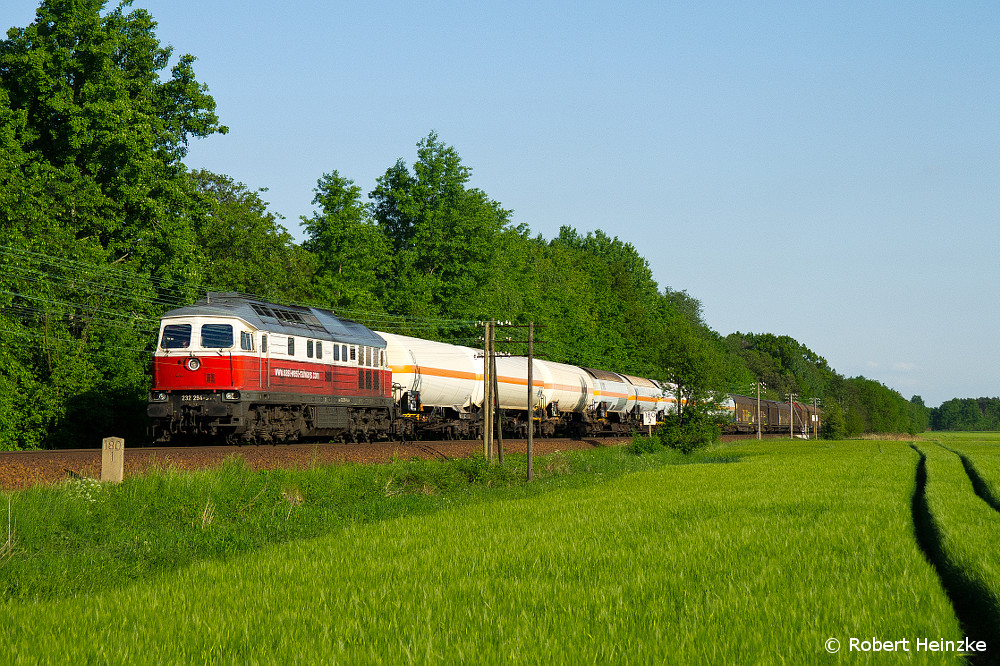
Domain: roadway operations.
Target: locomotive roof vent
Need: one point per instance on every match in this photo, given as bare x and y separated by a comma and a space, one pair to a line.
290, 317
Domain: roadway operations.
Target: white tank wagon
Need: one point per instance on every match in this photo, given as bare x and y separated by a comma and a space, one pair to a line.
647, 393
439, 390
621, 401
612, 393
438, 386
512, 383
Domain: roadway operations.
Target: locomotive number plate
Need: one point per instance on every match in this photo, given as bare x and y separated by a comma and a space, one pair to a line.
195, 397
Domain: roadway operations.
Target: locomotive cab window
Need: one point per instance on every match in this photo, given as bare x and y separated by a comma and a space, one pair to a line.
263, 344
216, 336
246, 341
176, 336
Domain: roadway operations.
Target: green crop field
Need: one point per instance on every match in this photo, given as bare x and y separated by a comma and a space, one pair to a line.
756, 553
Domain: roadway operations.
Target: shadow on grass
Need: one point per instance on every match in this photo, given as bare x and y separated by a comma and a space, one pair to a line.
975, 606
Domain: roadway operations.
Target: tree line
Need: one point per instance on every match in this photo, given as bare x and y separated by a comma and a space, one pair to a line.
105, 228
967, 414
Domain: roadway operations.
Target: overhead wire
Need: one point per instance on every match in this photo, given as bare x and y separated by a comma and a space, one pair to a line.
59, 274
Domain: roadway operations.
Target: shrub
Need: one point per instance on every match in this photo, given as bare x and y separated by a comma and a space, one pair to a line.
644, 444
688, 432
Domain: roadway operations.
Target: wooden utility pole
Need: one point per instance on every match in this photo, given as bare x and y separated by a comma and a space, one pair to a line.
492, 389
531, 397
487, 403
495, 406
759, 386
815, 404
791, 415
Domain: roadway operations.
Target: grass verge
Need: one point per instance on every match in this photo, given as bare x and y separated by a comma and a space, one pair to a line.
83, 535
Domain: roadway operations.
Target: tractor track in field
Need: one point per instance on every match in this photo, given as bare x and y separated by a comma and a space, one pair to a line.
979, 486
974, 606
22, 469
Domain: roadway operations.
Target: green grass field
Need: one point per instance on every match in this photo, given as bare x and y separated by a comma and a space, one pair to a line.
760, 553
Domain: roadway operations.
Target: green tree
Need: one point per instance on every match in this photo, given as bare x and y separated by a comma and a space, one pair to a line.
242, 245
834, 424
352, 252
696, 368
93, 202
445, 235
95, 115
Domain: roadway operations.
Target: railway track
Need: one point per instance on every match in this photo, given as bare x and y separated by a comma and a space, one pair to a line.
22, 469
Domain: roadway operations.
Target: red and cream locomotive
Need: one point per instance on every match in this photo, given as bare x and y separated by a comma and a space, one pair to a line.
235, 368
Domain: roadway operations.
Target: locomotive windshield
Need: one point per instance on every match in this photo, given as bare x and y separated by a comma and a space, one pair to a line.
176, 336
216, 336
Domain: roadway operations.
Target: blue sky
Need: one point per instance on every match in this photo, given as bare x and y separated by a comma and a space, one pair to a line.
828, 171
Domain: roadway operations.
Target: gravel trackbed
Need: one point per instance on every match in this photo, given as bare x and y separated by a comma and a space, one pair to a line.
21, 469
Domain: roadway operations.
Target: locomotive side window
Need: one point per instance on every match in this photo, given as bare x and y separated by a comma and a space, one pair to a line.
336, 352
343, 352
354, 352
216, 336
263, 344
246, 341
176, 336
319, 349
291, 346
309, 348
368, 357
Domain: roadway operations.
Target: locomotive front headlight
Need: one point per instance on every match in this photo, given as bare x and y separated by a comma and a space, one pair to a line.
192, 364
231, 395
157, 396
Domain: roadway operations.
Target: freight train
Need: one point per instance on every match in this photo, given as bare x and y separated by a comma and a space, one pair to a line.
775, 418
239, 369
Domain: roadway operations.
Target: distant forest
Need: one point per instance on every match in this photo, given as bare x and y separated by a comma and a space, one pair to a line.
967, 414
104, 228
